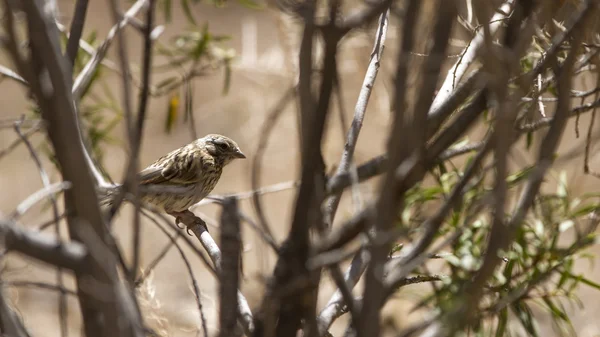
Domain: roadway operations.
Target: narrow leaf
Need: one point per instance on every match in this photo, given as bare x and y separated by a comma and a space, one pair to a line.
172, 111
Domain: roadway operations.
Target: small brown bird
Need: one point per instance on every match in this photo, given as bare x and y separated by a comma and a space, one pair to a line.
183, 177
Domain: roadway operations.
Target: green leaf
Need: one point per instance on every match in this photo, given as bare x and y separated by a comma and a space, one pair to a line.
584, 280
554, 310
167, 7
187, 10
452, 259
227, 80
250, 4
519, 176
202, 43
502, 321
584, 210
525, 317
91, 39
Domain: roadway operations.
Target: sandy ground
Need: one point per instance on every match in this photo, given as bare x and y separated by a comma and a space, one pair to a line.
257, 83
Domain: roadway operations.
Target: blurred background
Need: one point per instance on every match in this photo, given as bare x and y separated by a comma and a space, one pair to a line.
265, 42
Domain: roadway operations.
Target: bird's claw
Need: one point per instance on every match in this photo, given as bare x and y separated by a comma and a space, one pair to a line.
179, 221
189, 231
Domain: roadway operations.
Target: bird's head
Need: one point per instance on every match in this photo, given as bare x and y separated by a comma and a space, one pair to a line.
222, 148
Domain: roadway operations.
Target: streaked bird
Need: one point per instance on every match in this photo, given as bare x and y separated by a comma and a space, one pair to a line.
183, 177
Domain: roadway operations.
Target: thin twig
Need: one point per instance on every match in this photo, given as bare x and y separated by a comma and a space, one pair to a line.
267, 128
188, 267
159, 257
35, 128
137, 136
62, 302
38, 196
275, 188
8, 73
59, 288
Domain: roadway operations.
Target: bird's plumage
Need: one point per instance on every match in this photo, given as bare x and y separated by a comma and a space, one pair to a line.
186, 175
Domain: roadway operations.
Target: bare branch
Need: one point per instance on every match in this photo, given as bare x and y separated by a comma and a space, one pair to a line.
46, 192
62, 301
359, 113
77, 23
51, 86
39, 285
8, 73
43, 247
469, 55
229, 277
363, 17
335, 305
198, 227
85, 76
275, 188
267, 128
10, 323
387, 203
136, 133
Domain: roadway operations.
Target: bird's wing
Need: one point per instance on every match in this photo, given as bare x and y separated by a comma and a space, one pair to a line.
180, 167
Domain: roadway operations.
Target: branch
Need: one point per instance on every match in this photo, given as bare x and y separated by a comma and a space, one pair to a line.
85, 76
48, 70
62, 302
6, 72
43, 247
136, 134
502, 233
76, 31
273, 317
198, 227
10, 323
359, 113
30, 201
433, 224
336, 304
188, 266
388, 201
267, 128
229, 277
363, 17
408, 173
469, 55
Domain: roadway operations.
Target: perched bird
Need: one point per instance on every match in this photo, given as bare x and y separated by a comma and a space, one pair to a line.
187, 175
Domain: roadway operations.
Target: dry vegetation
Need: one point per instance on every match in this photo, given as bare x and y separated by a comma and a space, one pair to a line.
445, 186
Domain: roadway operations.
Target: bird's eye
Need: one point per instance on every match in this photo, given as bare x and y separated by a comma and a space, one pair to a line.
221, 146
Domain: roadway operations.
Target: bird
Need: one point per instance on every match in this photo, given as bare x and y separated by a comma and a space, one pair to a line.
183, 177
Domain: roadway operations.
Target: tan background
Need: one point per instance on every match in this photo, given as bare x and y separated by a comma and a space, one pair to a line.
257, 83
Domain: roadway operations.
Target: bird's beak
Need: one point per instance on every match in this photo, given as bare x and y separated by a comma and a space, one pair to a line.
239, 154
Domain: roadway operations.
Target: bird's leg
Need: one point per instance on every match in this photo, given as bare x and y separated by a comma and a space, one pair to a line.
187, 218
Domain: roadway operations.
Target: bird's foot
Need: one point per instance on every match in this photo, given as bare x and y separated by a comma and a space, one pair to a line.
188, 219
